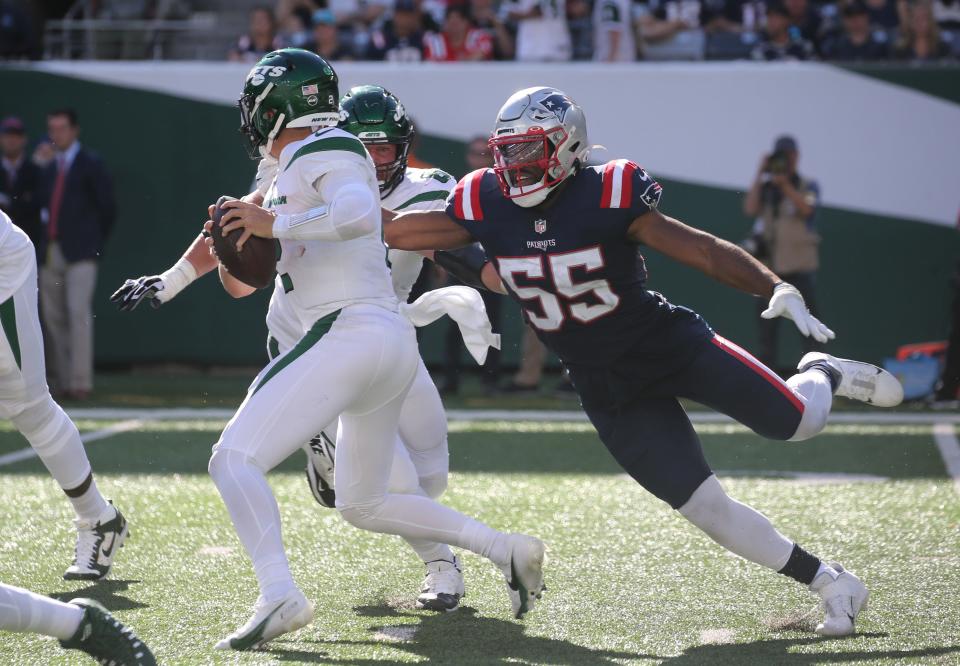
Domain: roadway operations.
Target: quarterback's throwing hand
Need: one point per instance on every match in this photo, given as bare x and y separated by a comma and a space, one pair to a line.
787, 302
254, 220
133, 292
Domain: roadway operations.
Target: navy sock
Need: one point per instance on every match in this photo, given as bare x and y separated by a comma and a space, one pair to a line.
802, 566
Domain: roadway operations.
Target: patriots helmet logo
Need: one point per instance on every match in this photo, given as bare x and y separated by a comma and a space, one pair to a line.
651, 195
558, 103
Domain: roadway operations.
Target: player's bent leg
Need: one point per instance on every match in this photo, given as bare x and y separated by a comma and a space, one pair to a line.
24, 611
364, 502
730, 380
423, 430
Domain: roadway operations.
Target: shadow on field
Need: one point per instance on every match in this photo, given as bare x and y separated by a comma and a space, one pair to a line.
778, 652
104, 591
462, 637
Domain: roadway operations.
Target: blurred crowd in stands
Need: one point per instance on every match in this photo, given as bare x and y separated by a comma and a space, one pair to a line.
523, 30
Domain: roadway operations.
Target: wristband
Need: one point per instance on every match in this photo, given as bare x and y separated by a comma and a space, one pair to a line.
175, 279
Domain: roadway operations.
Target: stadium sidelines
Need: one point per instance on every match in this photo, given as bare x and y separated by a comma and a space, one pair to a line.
943, 425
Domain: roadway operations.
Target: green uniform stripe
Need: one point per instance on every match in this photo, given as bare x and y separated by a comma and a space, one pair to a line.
287, 282
437, 195
273, 347
317, 331
347, 144
8, 320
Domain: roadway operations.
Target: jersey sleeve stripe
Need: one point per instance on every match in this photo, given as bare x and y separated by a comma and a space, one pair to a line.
607, 178
616, 178
475, 181
626, 187
437, 195
458, 199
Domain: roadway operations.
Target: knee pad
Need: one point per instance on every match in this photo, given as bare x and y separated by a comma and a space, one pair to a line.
46, 426
813, 421
435, 485
224, 460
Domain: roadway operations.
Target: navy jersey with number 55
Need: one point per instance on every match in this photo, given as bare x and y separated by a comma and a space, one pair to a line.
570, 265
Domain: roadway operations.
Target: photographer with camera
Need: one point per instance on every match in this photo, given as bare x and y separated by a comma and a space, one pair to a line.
785, 238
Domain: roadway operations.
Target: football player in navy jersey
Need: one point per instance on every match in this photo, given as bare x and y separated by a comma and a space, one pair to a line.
564, 238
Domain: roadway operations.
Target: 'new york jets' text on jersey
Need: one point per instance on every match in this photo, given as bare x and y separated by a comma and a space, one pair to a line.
579, 279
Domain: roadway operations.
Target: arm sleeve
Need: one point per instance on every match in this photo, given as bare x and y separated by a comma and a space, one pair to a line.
351, 210
103, 194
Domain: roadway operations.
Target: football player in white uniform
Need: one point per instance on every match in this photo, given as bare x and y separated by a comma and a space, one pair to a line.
421, 456
26, 401
357, 356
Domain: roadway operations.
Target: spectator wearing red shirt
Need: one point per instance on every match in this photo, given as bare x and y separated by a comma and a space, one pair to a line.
458, 40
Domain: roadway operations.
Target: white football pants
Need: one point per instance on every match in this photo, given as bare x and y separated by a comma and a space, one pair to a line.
23, 610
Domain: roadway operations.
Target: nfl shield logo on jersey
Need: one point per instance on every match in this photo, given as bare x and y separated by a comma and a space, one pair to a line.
540, 226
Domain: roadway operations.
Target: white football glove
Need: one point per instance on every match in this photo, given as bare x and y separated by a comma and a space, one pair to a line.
788, 302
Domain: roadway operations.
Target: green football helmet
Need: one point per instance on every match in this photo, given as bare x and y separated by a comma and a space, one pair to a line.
286, 88
375, 116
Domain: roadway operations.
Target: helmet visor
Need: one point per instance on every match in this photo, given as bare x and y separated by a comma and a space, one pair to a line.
522, 160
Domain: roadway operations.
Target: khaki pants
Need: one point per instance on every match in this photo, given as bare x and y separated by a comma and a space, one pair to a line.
66, 301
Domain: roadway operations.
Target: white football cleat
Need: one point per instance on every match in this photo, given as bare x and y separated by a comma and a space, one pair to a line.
843, 595
524, 573
97, 545
443, 586
269, 621
320, 461
857, 380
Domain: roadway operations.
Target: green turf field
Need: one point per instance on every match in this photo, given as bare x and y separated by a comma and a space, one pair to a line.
629, 581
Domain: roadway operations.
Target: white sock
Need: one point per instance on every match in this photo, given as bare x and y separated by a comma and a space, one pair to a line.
256, 518
22, 610
735, 526
487, 542
814, 390
56, 440
90, 504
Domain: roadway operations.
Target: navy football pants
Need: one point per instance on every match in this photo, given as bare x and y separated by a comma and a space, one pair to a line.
649, 433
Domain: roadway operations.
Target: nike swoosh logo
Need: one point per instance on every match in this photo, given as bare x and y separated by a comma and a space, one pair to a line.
107, 549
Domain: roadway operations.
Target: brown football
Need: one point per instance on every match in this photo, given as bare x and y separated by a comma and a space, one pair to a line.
255, 264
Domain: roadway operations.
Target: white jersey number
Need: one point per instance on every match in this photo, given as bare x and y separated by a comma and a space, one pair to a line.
561, 268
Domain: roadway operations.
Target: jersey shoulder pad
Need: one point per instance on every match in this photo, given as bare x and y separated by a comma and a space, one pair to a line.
625, 184
466, 200
326, 145
423, 189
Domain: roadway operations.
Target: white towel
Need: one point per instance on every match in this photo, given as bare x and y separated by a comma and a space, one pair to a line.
463, 305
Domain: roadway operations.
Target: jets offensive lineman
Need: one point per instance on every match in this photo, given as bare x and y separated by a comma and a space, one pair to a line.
421, 455
565, 238
357, 356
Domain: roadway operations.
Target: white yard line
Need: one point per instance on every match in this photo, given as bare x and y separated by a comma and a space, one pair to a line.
163, 414
946, 438
93, 436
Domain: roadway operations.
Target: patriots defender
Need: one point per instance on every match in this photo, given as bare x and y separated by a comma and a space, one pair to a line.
26, 401
357, 356
565, 239
81, 624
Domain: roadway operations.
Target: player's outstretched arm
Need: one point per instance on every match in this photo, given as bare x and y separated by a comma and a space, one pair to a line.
423, 230
729, 264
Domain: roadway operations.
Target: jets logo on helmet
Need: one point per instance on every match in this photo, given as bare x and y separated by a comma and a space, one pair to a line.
539, 140
376, 117
289, 88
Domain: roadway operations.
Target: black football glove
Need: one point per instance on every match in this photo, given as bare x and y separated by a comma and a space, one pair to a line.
133, 292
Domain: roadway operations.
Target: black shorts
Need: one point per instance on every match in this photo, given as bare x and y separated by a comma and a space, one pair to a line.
645, 428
